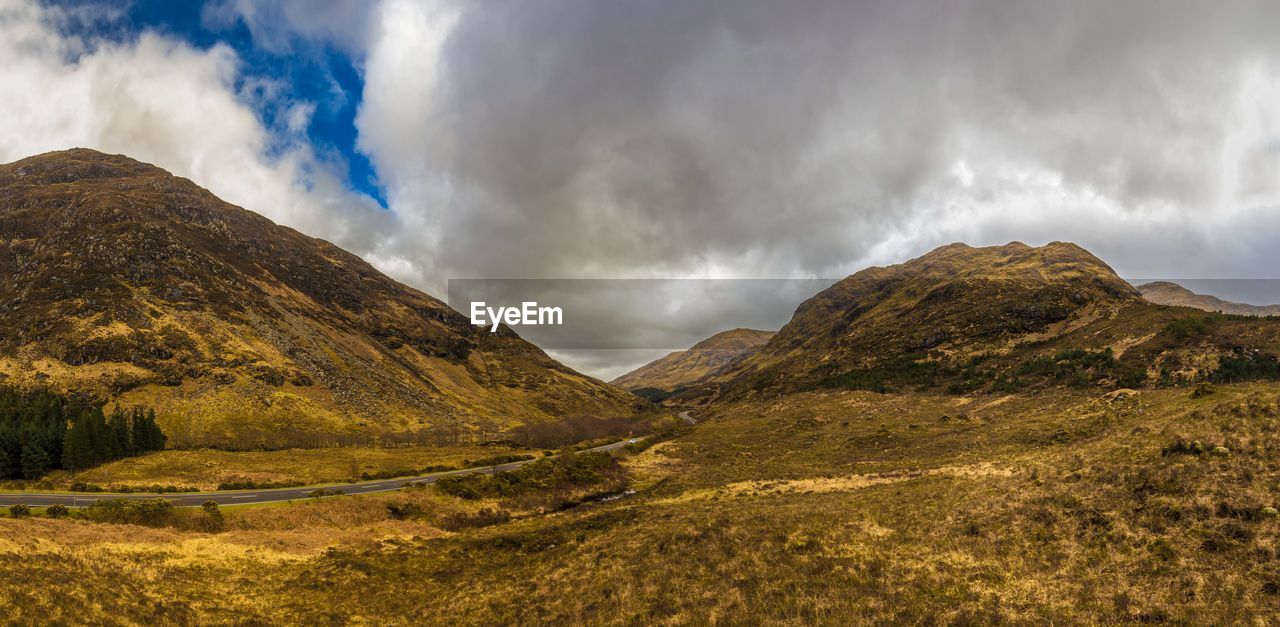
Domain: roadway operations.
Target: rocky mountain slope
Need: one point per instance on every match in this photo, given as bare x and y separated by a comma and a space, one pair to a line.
1167, 293
997, 318
123, 281
702, 360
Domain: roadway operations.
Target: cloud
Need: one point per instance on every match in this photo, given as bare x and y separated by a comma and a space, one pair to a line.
278, 25
666, 138
725, 138
761, 139
161, 101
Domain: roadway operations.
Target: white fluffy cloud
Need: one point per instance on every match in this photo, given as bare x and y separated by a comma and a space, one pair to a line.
163, 102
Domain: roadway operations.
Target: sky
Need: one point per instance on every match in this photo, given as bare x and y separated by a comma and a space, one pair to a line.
734, 139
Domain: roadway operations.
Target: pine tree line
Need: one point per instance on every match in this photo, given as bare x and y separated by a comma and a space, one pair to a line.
41, 431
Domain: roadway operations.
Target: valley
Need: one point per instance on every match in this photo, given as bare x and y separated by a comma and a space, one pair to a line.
812, 508
212, 419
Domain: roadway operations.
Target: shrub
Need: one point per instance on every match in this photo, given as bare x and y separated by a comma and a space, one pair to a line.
1187, 327
403, 511
578, 428
1183, 446
653, 395
406, 472
1251, 366
19, 511
496, 460
803, 543
212, 519
1202, 389
56, 511
85, 487
323, 492
149, 512
482, 518
906, 370
569, 470
256, 485
150, 489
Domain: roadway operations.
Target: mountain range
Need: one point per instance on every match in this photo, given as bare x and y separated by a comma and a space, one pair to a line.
125, 283
1168, 293
994, 319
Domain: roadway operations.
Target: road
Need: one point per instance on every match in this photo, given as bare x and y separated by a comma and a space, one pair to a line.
684, 415
249, 497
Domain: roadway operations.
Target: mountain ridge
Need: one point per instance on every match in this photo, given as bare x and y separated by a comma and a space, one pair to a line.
1170, 293
131, 283
971, 318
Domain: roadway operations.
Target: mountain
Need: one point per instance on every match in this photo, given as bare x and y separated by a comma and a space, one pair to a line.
973, 318
125, 282
702, 360
1167, 293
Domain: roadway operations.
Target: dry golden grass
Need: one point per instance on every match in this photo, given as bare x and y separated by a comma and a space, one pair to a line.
839, 508
207, 468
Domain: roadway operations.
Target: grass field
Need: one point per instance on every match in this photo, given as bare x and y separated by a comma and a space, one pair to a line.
828, 508
206, 469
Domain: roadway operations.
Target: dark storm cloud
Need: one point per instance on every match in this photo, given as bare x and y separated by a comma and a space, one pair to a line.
766, 139
775, 138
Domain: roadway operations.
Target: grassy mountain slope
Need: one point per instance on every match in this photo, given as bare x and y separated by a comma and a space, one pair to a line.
1166, 293
704, 359
1000, 318
121, 280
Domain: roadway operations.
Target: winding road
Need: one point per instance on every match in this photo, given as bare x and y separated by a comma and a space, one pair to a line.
249, 497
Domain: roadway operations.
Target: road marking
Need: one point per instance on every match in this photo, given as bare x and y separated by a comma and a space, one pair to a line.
244, 496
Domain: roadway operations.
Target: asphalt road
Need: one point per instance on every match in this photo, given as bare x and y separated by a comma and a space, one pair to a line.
247, 497
684, 415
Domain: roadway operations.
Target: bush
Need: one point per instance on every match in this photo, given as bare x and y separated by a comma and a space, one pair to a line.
19, 511
151, 489
1202, 389
1183, 446
496, 460
482, 518
907, 370
1075, 366
323, 492
403, 511
56, 511
569, 470
653, 395
255, 485
1187, 327
1251, 366
579, 428
149, 512
406, 472
85, 487
212, 519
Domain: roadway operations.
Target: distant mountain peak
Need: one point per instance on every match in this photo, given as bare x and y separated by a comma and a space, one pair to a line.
702, 360
1170, 293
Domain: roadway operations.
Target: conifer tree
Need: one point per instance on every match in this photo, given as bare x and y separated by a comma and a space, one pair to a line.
157, 437
77, 452
121, 446
35, 461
